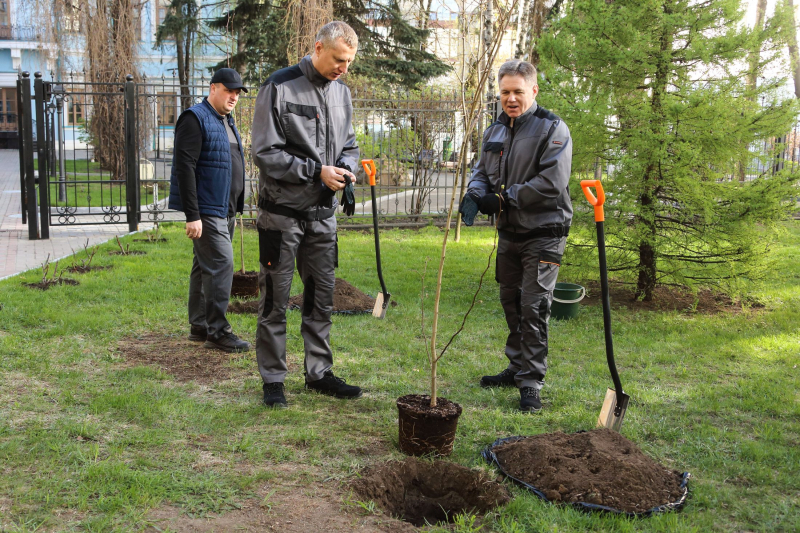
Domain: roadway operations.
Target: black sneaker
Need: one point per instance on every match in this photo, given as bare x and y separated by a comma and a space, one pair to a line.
228, 342
198, 334
529, 400
273, 395
333, 386
503, 379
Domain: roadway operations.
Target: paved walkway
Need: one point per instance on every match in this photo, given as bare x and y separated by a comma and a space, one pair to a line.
17, 253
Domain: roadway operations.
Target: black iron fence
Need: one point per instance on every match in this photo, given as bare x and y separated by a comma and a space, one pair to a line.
101, 153
96, 153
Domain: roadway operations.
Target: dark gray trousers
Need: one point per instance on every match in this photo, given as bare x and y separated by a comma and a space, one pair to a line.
526, 294
282, 241
212, 276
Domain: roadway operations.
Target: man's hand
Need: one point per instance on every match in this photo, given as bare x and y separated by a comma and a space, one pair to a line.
194, 229
491, 204
333, 177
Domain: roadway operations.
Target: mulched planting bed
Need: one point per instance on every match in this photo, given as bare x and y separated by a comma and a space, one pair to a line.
667, 299
44, 285
183, 359
596, 470
78, 269
347, 300
423, 492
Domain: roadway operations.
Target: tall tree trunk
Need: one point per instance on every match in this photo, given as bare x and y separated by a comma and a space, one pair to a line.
240, 47
752, 77
794, 56
648, 202
522, 27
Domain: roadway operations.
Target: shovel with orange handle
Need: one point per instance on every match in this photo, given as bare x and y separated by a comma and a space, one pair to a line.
616, 401
382, 299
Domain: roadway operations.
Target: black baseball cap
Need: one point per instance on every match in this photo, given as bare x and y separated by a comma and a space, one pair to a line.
229, 78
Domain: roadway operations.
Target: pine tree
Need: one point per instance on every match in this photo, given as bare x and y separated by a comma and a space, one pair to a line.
658, 89
390, 50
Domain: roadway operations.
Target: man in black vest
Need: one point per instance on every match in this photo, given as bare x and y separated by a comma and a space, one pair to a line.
207, 184
304, 146
523, 178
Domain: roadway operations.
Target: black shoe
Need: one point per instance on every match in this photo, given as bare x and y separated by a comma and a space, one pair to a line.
529, 400
273, 395
198, 334
228, 342
333, 386
503, 379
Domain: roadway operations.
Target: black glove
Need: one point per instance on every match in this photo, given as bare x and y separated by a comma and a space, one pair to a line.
490, 204
469, 208
348, 196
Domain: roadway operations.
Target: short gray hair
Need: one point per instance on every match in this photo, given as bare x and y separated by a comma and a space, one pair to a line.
333, 31
517, 67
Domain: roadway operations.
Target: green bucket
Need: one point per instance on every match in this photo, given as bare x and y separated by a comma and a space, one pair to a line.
566, 300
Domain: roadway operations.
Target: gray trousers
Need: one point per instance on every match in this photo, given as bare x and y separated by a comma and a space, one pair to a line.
527, 272
212, 276
282, 240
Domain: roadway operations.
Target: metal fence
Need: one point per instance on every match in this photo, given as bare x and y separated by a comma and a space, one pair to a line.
77, 173
93, 153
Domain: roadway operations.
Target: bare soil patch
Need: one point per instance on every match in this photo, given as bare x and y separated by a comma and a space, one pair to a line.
680, 299
151, 241
130, 252
46, 284
285, 508
347, 300
423, 492
181, 358
599, 467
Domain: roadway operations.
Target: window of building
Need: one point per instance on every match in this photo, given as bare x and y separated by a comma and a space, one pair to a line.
167, 108
8, 109
5, 16
75, 112
162, 7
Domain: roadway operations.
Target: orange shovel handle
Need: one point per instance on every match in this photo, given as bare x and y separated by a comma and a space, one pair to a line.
598, 201
369, 168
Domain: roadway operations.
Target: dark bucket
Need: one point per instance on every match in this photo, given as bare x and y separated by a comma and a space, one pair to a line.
566, 300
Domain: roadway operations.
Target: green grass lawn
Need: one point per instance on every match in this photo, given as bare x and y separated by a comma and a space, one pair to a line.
91, 443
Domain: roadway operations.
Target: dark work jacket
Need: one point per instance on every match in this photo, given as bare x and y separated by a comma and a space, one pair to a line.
531, 162
212, 169
302, 121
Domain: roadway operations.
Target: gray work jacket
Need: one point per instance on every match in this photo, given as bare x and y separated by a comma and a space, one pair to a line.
302, 121
532, 162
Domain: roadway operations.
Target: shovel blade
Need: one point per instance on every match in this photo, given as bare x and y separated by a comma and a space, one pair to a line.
379, 311
610, 417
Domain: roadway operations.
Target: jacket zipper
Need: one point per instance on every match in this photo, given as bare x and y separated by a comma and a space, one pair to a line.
504, 186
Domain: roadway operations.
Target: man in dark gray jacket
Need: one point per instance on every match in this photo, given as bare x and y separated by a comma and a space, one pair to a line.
304, 146
523, 178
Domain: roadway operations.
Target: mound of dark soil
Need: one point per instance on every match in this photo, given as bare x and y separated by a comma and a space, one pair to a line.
599, 467
667, 299
46, 284
245, 285
346, 299
420, 491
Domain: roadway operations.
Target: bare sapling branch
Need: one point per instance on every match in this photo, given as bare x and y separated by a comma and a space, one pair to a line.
477, 97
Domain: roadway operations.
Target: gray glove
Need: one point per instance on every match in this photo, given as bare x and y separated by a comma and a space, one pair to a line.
468, 209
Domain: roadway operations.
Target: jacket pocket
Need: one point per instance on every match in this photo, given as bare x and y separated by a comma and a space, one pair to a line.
269, 247
302, 123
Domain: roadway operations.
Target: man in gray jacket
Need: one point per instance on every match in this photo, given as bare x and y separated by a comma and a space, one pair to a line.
304, 146
523, 178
